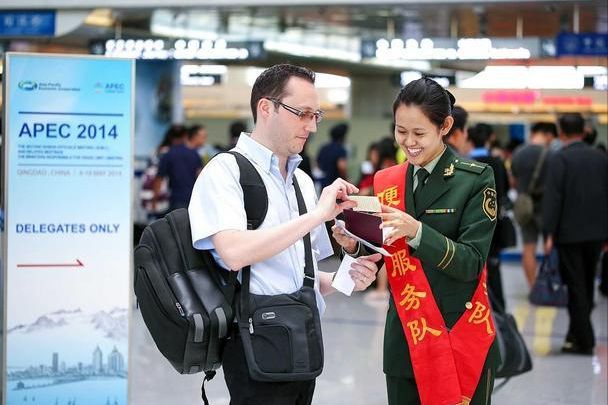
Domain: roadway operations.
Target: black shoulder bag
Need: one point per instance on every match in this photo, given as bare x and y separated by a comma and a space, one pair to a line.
281, 334
523, 208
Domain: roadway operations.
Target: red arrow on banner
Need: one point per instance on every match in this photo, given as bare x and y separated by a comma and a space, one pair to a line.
77, 264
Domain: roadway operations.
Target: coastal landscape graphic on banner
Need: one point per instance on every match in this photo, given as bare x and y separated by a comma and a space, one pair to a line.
68, 229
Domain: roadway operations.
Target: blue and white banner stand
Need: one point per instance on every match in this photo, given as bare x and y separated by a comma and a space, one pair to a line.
68, 128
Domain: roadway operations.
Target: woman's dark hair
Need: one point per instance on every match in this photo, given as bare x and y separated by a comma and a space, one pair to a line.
434, 101
271, 83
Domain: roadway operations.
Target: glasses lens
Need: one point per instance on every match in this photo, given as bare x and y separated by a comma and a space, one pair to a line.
319, 116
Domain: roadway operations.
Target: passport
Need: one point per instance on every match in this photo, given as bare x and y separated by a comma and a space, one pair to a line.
364, 225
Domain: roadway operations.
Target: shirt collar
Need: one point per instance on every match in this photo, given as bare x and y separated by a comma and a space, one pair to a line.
430, 166
263, 156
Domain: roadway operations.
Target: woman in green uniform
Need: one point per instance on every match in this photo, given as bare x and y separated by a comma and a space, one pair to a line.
440, 214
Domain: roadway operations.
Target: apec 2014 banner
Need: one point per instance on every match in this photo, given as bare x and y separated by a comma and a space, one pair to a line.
68, 176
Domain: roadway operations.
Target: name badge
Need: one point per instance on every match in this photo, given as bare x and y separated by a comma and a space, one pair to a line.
441, 211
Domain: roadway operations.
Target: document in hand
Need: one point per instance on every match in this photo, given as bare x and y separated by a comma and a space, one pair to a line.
364, 225
371, 246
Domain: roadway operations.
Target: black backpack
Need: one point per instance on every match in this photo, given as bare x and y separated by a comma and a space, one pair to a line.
184, 296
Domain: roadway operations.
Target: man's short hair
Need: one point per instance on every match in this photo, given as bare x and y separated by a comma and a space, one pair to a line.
572, 124
236, 127
480, 134
338, 132
271, 83
460, 116
193, 130
546, 127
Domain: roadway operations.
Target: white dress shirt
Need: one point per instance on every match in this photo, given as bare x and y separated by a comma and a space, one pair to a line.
217, 205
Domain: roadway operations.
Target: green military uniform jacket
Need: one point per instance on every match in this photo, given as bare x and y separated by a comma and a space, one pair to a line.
458, 215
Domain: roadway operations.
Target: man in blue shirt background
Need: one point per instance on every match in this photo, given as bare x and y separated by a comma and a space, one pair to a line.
181, 165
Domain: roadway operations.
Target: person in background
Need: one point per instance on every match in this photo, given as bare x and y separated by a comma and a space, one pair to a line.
180, 165
480, 136
556, 143
524, 161
197, 140
457, 138
332, 158
590, 135
155, 193
305, 165
575, 221
381, 155
234, 132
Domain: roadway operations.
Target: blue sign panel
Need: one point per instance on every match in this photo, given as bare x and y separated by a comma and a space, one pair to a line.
68, 165
27, 23
590, 44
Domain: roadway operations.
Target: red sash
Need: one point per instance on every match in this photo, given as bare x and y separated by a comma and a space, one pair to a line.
447, 363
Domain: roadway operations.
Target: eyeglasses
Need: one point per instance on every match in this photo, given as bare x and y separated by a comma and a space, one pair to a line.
303, 115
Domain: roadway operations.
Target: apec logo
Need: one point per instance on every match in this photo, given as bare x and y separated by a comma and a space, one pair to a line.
109, 87
27, 85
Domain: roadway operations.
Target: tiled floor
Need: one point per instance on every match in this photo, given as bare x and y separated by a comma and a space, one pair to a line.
353, 328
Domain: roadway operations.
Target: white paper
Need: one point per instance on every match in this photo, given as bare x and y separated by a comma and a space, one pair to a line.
340, 223
343, 282
366, 203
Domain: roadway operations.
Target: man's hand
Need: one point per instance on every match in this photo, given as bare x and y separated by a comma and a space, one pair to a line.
403, 224
348, 244
328, 207
364, 270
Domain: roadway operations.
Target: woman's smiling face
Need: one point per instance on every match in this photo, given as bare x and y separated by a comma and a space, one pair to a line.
420, 139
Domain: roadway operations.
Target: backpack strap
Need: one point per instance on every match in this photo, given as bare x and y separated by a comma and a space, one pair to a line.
309, 271
254, 191
537, 167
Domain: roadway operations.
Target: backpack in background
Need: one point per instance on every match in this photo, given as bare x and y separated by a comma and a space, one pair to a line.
185, 298
523, 208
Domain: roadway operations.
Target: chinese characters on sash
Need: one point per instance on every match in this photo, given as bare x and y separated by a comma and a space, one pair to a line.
389, 196
411, 296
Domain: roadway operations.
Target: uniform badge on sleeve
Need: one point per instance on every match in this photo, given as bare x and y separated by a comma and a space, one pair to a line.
489, 203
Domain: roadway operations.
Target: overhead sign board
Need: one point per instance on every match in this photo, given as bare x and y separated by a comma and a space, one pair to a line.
450, 49
589, 44
27, 23
181, 49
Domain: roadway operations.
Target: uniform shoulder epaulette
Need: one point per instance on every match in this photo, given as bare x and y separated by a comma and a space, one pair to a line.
469, 165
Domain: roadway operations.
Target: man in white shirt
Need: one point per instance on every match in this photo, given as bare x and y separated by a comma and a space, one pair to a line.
285, 107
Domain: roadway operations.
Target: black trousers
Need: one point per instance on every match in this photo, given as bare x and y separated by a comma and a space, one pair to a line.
403, 390
577, 265
245, 391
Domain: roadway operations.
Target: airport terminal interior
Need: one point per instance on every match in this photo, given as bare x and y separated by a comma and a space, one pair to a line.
509, 64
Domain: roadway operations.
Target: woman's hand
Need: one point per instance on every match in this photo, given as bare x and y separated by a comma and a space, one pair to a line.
348, 244
403, 225
364, 270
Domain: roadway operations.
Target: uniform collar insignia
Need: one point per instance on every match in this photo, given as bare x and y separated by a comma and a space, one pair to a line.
449, 171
